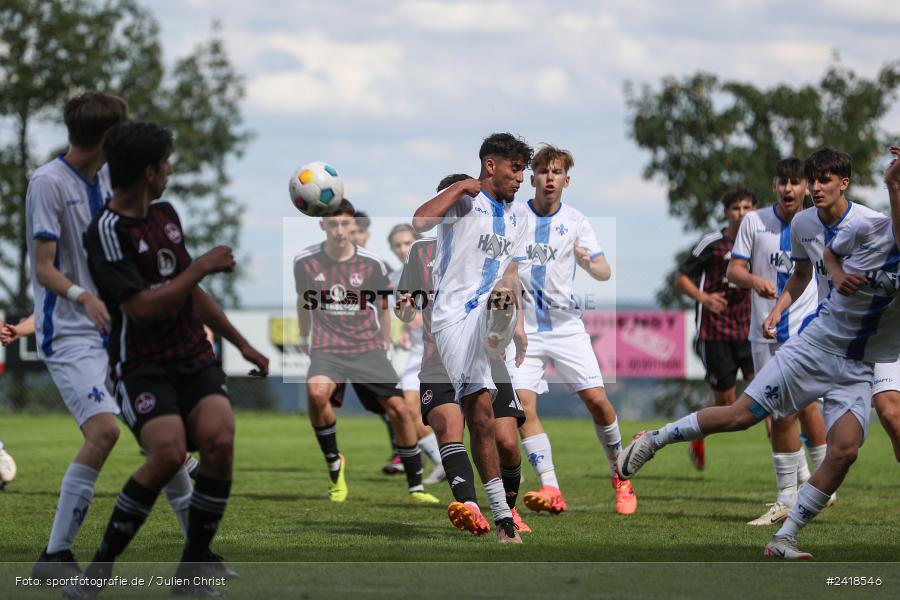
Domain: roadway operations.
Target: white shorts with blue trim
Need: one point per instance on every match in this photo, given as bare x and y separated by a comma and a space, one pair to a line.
573, 358
887, 378
799, 373
463, 352
80, 373
762, 353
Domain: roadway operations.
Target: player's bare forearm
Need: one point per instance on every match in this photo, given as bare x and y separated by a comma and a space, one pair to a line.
795, 286
386, 325
684, 285
599, 269
45, 272
154, 304
832, 263
430, 214
738, 274
215, 318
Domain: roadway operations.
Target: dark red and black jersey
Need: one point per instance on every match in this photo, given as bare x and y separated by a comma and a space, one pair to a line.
708, 263
127, 255
344, 299
416, 279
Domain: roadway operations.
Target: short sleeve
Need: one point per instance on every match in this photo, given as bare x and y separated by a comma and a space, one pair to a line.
44, 203
301, 281
743, 243
588, 239
380, 279
845, 241
112, 265
696, 264
798, 250
461, 208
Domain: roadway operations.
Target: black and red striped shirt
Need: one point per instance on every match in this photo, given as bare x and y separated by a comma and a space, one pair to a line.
709, 262
344, 299
127, 255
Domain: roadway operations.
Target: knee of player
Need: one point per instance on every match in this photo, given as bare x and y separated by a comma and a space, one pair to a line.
318, 399
888, 407
841, 456
397, 410
103, 437
217, 448
166, 461
508, 449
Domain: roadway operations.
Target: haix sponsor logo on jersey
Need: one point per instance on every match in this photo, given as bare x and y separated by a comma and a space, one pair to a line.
820, 268
541, 253
173, 232
781, 261
884, 281
494, 245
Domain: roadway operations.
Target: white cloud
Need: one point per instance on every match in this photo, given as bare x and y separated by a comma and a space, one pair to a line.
464, 17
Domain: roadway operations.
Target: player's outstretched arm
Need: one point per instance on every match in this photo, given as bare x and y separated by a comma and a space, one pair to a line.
154, 304
213, 316
430, 214
9, 333
892, 179
51, 278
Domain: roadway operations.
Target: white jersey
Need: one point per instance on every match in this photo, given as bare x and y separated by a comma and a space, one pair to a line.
548, 271
809, 236
863, 326
477, 239
59, 206
764, 240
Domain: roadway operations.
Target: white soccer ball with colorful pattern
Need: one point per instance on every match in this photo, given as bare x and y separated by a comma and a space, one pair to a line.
7, 467
316, 189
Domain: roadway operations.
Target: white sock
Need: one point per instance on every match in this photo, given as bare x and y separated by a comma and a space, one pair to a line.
429, 446
75, 495
682, 430
178, 493
537, 448
802, 469
810, 502
785, 464
496, 496
611, 440
817, 455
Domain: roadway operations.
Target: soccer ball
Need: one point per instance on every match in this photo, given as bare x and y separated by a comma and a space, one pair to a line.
316, 189
7, 468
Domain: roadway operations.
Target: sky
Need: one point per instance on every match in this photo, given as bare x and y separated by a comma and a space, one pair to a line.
397, 94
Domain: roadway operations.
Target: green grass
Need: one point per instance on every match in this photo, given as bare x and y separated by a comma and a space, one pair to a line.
279, 512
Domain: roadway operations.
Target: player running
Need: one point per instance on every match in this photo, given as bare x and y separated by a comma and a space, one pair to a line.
558, 238
481, 232
833, 357
172, 393
71, 322
761, 262
723, 309
400, 239
439, 405
342, 293
812, 230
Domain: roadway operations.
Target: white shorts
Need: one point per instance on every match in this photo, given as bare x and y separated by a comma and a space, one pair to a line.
762, 353
573, 357
80, 375
409, 380
799, 373
462, 349
887, 378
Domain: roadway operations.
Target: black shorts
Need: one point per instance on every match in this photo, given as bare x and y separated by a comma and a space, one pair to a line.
441, 391
722, 361
371, 374
155, 390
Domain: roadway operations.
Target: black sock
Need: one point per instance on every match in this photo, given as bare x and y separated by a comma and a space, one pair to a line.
132, 508
391, 436
412, 466
327, 438
512, 478
459, 471
207, 507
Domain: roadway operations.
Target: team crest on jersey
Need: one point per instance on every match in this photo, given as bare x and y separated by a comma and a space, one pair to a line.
173, 233
165, 262
356, 279
781, 261
427, 397
513, 219
542, 253
561, 229
145, 403
494, 245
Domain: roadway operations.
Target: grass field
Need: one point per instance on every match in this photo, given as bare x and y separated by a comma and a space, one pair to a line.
278, 512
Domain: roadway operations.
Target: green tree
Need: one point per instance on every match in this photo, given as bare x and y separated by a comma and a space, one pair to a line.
53, 49
704, 135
